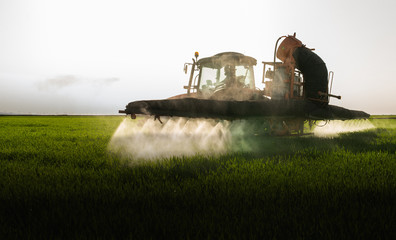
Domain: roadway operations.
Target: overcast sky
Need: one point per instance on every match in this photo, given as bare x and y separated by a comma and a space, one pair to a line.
95, 56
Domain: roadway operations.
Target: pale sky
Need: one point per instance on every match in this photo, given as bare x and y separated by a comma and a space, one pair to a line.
95, 56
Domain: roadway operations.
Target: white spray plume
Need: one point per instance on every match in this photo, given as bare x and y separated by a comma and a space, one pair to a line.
145, 138
335, 127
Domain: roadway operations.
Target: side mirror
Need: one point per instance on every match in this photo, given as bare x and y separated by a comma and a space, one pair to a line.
185, 68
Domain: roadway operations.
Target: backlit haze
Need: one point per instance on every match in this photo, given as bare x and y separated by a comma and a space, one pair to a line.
93, 56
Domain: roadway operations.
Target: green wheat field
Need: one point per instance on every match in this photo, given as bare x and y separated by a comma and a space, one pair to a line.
59, 181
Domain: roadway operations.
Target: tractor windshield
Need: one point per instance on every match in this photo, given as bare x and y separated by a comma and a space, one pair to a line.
229, 76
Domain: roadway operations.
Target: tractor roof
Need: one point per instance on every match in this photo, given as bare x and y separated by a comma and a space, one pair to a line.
227, 58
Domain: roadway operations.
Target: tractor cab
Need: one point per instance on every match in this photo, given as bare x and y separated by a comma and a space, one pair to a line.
224, 76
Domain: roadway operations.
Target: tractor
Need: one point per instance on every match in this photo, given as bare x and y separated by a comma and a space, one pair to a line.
223, 87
